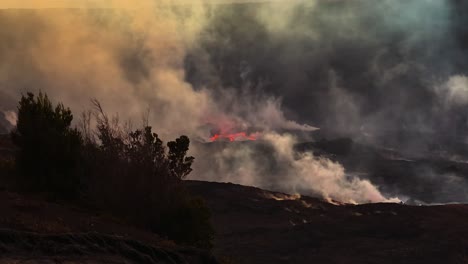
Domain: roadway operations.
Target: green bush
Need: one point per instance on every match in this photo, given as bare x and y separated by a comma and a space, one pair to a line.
48, 159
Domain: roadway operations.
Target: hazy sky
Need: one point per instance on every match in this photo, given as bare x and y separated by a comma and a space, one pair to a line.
102, 3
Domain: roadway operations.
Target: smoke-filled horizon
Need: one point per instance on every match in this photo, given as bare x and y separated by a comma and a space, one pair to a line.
389, 73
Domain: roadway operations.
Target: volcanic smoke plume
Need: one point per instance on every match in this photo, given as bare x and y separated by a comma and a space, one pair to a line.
264, 73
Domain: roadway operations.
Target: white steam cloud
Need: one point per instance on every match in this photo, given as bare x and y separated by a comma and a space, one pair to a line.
320, 175
273, 164
454, 91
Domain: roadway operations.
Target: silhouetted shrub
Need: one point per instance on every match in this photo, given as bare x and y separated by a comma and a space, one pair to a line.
179, 164
133, 174
49, 149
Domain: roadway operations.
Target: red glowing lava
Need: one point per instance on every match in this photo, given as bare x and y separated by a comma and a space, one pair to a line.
233, 137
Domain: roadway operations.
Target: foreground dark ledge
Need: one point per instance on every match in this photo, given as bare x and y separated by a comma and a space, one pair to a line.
34, 230
93, 247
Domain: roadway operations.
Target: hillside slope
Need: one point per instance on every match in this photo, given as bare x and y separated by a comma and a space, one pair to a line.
257, 226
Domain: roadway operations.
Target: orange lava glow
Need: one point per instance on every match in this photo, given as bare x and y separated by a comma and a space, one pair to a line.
233, 137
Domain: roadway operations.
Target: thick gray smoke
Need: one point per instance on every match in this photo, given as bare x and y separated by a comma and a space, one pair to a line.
351, 67
389, 73
365, 69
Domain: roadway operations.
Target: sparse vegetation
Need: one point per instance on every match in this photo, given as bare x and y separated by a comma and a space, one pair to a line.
127, 172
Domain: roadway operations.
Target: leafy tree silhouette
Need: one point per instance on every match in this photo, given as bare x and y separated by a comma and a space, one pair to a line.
136, 176
179, 164
49, 150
